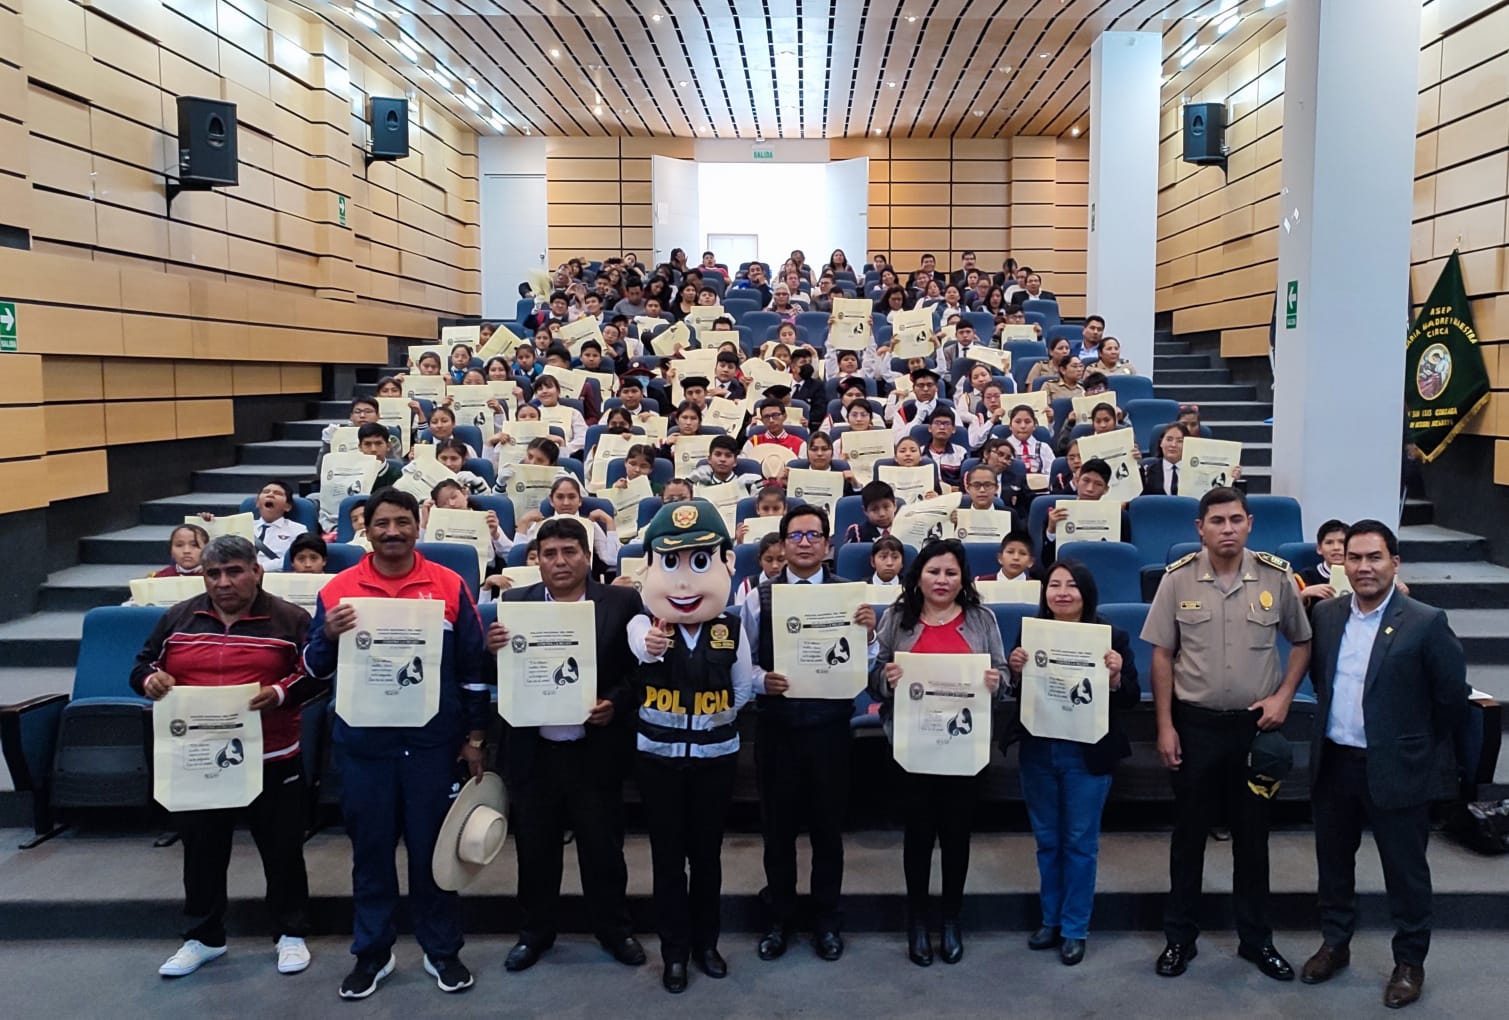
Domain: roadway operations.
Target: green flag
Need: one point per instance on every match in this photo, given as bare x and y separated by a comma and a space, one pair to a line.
1445, 379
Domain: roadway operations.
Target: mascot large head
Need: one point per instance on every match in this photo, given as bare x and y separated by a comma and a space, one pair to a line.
691, 560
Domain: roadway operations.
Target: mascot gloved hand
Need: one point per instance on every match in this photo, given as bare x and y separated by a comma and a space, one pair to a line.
691, 563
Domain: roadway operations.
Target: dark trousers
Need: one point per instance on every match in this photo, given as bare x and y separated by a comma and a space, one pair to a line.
1342, 804
276, 820
803, 769
1213, 779
383, 799
936, 809
564, 791
685, 803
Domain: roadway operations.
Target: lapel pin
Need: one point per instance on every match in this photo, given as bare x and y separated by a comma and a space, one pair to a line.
1388, 630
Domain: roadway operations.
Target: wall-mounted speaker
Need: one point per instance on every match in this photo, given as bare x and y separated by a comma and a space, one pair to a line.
1205, 134
388, 120
206, 144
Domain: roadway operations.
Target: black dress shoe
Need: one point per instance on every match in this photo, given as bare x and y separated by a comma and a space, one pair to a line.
674, 978
829, 945
951, 943
626, 950
710, 963
1268, 961
523, 956
1072, 951
1044, 938
917, 945
1175, 957
773, 944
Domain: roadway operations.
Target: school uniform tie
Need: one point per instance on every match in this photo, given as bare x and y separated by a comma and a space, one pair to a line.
1173, 489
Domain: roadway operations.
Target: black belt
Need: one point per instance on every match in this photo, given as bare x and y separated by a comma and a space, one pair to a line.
1346, 751
1213, 714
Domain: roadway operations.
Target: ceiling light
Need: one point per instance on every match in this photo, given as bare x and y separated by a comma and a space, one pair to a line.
471, 101
527, 131
655, 18
681, 84
1074, 131
1004, 70
1045, 56
441, 78
471, 81
555, 54
1228, 25
877, 131
911, 18
1270, 3
979, 113
406, 50
598, 110
703, 130
1189, 58
364, 18
496, 122
890, 84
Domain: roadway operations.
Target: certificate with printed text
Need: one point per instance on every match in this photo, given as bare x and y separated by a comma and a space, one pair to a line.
610, 447
530, 486
394, 414
818, 647
941, 722
547, 673
911, 333
926, 520
1084, 406
725, 497
690, 450
725, 414
470, 406
1065, 685
206, 748
1207, 464
626, 505
521, 577
520, 435
345, 474
982, 525
852, 323
883, 594
992, 356
668, 341
572, 380
423, 473
1089, 520
909, 483
1018, 331
388, 671
501, 344
424, 387
462, 527
303, 590
441, 351
862, 450
240, 525
1019, 592
702, 317
818, 488
1118, 449
574, 334
756, 528
167, 591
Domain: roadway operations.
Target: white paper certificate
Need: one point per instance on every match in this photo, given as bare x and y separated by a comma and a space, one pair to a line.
610, 447
394, 414
388, 672
240, 525
991, 356
924, 521
818, 647
521, 434
167, 591
502, 344
529, 486
425, 387
1020, 592
982, 525
1089, 520
345, 474
574, 334
423, 473
206, 748
1340, 582
689, 450
702, 317
462, 527
1084, 407
1116, 448
817, 488
1065, 685
912, 328
725, 414
862, 450
547, 673
882, 594
1207, 465
756, 528
909, 483
470, 406
626, 505
941, 723
303, 590
725, 497
1019, 331
851, 324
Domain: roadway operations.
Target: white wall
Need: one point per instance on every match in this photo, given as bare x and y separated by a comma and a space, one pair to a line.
787, 205
673, 194
515, 234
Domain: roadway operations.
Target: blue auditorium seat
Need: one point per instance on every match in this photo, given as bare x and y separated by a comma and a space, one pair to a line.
1130, 616
460, 558
1117, 567
1160, 522
1275, 521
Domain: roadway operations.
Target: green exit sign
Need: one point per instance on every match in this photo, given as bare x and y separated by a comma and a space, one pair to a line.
7, 327
1291, 305
764, 154
341, 206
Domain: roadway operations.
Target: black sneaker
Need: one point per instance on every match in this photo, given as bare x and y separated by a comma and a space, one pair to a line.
363, 979
449, 973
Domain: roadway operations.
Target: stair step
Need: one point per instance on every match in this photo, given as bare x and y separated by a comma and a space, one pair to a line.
1161, 347
48, 640
304, 430
334, 410
173, 509
1182, 378
365, 389
1162, 362
1459, 585
280, 451
1418, 511
1259, 479
145, 543
1212, 411
1256, 455
248, 478
81, 588
1484, 634
1430, 543
1207, 392
1240, 431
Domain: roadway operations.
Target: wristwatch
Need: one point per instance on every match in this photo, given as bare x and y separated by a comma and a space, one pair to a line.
477, 745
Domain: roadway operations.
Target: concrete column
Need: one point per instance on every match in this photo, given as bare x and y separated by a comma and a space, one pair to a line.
1343, 255
1120, 267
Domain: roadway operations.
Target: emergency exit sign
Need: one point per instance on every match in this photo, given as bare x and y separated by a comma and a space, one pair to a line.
763, 154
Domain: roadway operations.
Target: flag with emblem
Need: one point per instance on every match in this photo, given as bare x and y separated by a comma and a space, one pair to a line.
1446, 381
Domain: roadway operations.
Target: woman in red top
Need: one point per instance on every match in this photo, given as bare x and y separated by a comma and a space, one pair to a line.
939, 613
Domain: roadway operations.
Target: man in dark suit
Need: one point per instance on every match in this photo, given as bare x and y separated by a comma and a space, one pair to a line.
571, 777
1391, 684
1032, 291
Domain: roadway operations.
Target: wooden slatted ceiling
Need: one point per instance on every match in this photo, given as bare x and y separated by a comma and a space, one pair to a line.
776, 68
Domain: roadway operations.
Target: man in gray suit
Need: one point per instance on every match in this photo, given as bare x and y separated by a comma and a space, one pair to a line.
1391, 684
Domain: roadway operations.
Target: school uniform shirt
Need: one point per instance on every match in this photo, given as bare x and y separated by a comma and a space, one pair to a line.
174, 570
894, 582
1160, 478
577, 438
902, 426
272, 539
949, 461
1036, 456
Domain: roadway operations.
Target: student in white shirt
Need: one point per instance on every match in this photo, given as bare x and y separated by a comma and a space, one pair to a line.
273, 531
887, 557
547, 393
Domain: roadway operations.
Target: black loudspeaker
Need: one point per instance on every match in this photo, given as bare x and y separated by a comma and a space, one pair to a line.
1205, 134
206, 144
388, 120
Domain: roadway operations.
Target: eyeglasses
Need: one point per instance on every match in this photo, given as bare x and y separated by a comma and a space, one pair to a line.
805, 537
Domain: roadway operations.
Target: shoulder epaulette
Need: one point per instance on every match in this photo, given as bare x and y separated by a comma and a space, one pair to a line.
1273, 561
1182, 561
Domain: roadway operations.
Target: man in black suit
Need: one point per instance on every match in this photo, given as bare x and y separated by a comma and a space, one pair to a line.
564, 778
1391, 685
1033, 290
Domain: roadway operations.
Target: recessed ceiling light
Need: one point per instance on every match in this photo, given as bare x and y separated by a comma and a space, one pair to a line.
681, 84
911, 18
598, 110
877, 131
471, 81
496, 122
890, 84
1004, 69
979, 113
1074, 131
655, 18
555, 54
1045, 56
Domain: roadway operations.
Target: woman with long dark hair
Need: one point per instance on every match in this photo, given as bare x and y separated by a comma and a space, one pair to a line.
1064, 782
939, 612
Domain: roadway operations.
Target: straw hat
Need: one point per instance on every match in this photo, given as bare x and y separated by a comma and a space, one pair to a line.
472, 833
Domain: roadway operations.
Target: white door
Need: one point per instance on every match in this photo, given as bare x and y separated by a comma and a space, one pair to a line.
734, 249
673, 191
515, 238
847, 210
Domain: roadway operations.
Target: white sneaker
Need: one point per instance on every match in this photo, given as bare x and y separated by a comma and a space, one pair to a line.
293, 955
192, 955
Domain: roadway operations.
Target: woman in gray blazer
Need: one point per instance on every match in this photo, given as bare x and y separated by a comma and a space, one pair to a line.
938, 612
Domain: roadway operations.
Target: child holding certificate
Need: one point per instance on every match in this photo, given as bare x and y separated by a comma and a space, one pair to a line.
1065, 783
939, 612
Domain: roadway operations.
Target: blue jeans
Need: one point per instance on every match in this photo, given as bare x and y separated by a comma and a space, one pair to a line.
1064, 802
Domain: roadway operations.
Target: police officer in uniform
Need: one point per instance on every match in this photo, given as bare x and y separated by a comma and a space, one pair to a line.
693, 676
1216, 685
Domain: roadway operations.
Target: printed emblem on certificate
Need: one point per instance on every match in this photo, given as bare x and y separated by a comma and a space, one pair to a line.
547, 673
389, 663
1208, 464
206, 748
1065, 685
818, 647
941, 723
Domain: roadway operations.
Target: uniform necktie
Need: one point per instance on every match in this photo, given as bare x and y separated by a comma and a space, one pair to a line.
1173, 489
